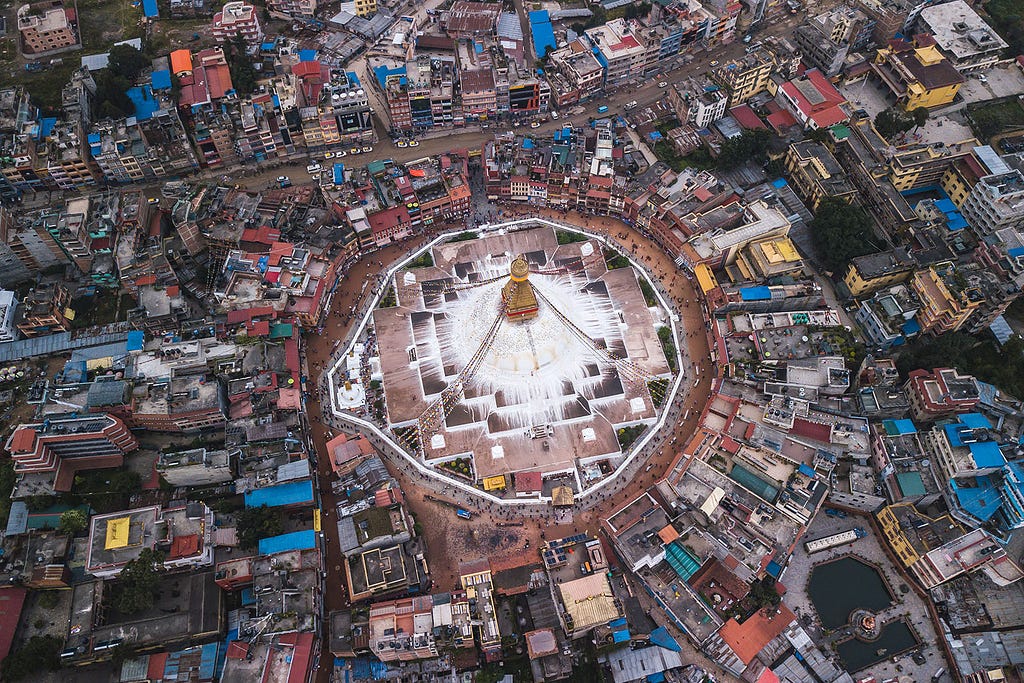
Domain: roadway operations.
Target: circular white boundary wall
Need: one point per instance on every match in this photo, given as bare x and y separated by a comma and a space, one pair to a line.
383, 439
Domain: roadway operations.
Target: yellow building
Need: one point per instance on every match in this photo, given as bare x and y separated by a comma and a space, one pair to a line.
772, 257
366, 8
815, 173
920, 166
868, 274
746, 76
918, 534
917, 74
947, 299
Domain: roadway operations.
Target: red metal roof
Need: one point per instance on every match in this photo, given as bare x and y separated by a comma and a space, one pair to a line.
746, 117
12, 599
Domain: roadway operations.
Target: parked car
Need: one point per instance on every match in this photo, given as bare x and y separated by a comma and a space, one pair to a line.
154, 200
554, 115
663, 84
367, 149
414, 143
401, 144
535, 124
313, 168
355, 150
328, 155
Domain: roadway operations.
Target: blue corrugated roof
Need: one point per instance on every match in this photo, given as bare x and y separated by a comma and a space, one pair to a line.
781, 182
1015, 251
207, 661
339, 174
543, 34
136, 340
144, 101
620, 636
46, 126
986, 454
945, 205
150, 9
161, 80
662, 638
307, 55
773, 569
899, 427
981, 501
911, 327
297, 540
1001, 330
806, 470
657, 677
291, 493
381, 73
755, 293
618, 623
682, 562
975, 421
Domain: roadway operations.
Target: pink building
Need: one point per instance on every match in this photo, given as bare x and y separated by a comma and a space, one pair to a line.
237, 18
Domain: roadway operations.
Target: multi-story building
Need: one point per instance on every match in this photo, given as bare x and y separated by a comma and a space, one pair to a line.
183, 534
237, 18
195, 467
917, 74
941, 393
961, 35
410, 629
187, 403
298, 9
66, 444
698, 102
366, 8
130, 150
8, 308
574, 72
947, 298
890, 16
467, 19
619, 51
771, 258
48, 27
996, 202
45, 310
816, 174
824, 40
887, 319
917, 166
813, 101
745, 77
65, 155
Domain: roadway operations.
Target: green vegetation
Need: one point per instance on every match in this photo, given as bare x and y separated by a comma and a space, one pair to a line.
7, 481
658, 388
389, 300
892, 121
101, 308
648, 291
126, 63
139, 583
104, 490
847, 345
1008, 18
252, 524
614, 259
602, 16
570, 237
841, 232
49, 599
629, 435
750, 145
243, 75
995, 116
698, 158
1001, 366
424, 260
73, 521
465, 236
460, 466
40, 653
669, 347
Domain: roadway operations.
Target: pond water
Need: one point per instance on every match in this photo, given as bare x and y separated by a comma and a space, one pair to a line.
839, 587
895, 638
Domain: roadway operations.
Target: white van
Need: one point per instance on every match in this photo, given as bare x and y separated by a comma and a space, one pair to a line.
632, 105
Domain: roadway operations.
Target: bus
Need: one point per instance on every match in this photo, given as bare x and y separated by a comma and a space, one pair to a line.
833, 541
463, 514
603, 109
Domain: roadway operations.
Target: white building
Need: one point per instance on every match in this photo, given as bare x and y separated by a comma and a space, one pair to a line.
622, 54
8, 304
996, 201
962, 36
237, 18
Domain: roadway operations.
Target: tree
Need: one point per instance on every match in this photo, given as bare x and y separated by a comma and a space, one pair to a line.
243, 75
252, 524
40, 653
1002, 366
139, 582
750, 145
126, 61
891, 122
111, 99
920, 116
73, 521
841, 231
